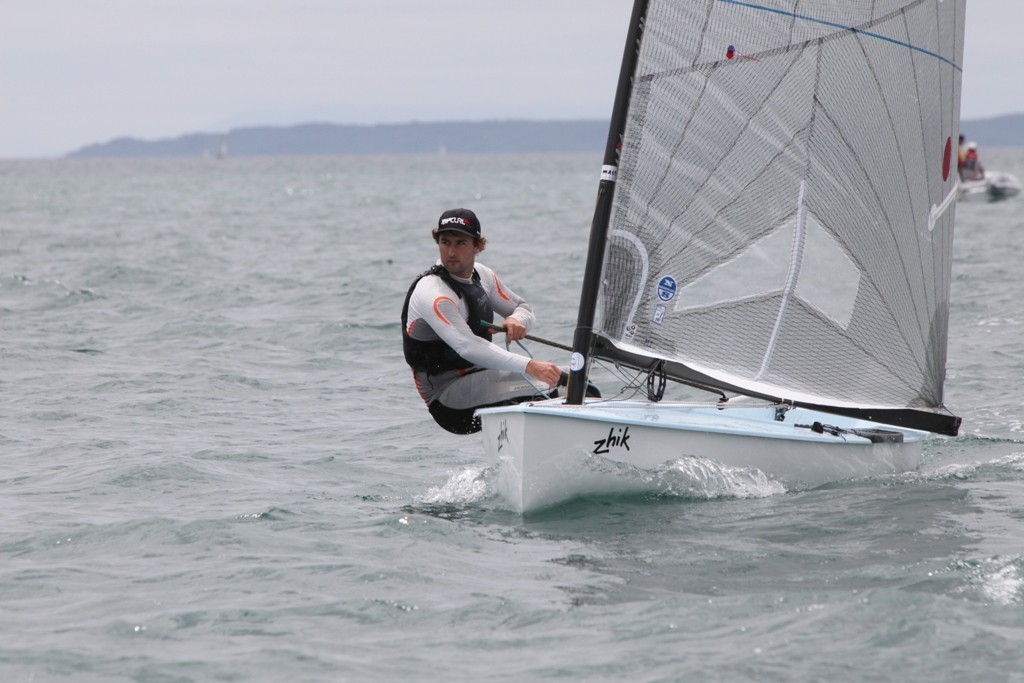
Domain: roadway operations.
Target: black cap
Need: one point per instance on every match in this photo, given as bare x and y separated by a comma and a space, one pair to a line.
459, 220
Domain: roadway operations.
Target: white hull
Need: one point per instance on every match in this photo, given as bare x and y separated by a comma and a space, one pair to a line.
995, 186
541, 448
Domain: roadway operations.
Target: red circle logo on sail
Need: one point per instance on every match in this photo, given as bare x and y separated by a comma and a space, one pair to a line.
947, 158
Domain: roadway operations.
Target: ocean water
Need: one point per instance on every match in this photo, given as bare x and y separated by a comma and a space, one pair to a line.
214, 466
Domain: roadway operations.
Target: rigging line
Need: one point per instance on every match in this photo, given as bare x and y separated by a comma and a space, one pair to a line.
536, 389
541, 393
844, 27
628, 384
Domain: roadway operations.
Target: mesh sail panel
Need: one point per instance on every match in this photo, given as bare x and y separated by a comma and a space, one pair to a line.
783, 212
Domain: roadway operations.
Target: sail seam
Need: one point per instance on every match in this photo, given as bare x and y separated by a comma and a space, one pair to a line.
914, 199
901, 157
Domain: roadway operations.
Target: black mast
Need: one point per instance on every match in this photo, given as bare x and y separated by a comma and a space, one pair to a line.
583, 336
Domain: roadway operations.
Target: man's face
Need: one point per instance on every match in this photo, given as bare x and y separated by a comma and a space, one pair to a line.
458, 253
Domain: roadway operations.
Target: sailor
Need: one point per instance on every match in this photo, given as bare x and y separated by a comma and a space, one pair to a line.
972, 168
447, 330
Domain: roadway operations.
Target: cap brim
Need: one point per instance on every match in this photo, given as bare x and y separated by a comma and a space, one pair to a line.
461, 231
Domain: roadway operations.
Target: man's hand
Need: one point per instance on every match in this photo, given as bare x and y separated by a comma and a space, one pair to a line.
514, 330
546, 372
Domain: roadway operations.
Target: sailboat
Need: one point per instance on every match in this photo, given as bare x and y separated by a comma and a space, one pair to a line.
773, 225
994, 186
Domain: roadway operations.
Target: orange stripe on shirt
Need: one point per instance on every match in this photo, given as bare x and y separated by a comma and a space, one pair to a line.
416, 381
501, 292
437, 308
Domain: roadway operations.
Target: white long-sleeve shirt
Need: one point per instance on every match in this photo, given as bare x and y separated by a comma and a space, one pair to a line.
437, 312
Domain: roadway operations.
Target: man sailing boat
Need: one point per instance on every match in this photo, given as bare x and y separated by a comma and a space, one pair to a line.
447, 330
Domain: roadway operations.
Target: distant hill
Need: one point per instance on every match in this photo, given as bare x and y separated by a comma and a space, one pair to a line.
1000, 131
487, 137
482, 137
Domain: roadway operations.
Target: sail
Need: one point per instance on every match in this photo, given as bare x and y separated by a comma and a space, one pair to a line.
783, 213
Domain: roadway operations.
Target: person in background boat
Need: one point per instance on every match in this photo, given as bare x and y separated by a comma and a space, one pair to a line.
447, 332
961, 155
972, 168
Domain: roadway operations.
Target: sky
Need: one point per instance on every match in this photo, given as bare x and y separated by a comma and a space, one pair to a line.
77, 72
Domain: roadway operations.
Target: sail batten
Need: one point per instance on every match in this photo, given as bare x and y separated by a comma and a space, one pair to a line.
781, 215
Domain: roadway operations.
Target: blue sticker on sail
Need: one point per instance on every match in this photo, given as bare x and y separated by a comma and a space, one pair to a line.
667, 288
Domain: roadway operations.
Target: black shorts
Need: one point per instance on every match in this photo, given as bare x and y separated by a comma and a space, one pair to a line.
462, 420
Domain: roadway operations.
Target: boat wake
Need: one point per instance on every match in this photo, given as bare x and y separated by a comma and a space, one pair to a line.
472, 485
688, 478
709, 479
999, 580
1009, 467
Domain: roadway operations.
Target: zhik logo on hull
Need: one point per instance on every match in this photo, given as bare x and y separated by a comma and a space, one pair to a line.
502, 435
617, 438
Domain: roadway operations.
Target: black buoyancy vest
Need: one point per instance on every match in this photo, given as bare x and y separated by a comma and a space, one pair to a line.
436, 356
